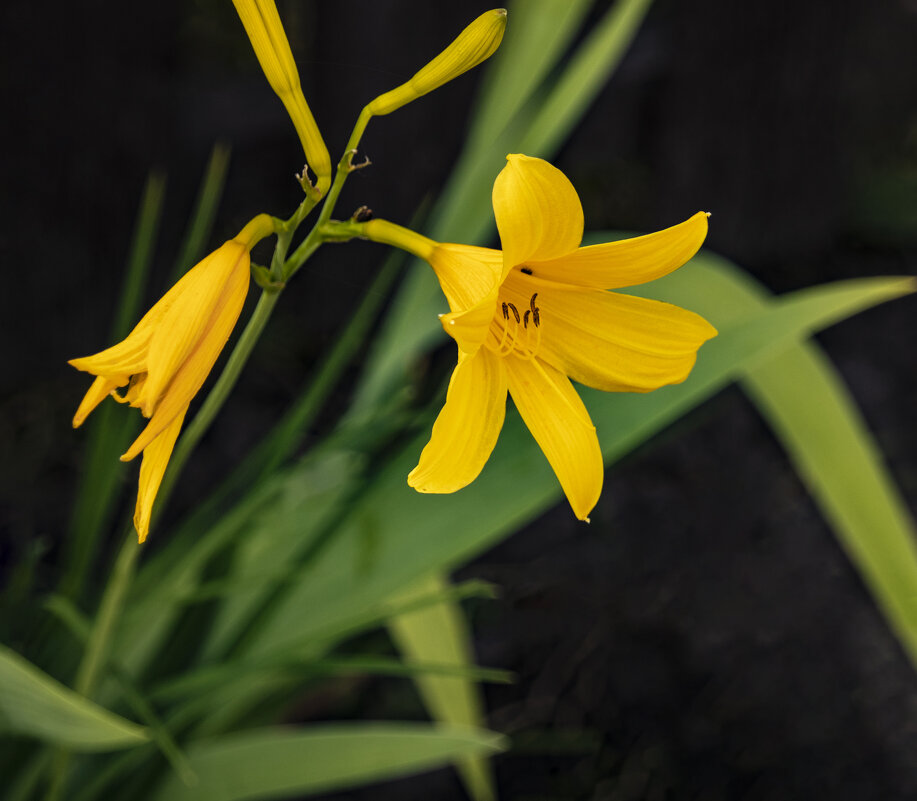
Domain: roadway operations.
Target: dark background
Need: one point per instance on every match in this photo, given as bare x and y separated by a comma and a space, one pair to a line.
709, 640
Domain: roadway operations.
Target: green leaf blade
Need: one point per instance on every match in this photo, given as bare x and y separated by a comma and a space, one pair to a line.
279, 762
34, 704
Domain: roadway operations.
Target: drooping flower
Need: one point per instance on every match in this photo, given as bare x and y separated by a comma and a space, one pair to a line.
528, 319
165, 360
269, 41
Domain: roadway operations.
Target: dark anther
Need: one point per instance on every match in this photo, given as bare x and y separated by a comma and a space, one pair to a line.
505, 312
362, 214
526, 270
515, 313
536, 317
525, 319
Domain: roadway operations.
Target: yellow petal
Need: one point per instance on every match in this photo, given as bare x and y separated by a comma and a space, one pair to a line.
467, 274
555, 415
627, 262
470, 328
192, 373
155, 460
467, 428
186, 321
610, 341
101, 388
538, 212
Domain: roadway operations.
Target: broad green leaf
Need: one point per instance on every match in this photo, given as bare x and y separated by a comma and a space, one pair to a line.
286, 763
34, 704
800, 393
394, 536
439, 633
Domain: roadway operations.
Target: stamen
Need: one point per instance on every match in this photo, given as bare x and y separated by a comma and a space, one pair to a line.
525, 318
505, 312
515, 313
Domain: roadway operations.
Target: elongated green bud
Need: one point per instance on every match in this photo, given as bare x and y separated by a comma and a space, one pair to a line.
265, 31
473, 45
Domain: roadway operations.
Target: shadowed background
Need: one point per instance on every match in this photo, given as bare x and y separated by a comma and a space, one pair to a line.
705, 637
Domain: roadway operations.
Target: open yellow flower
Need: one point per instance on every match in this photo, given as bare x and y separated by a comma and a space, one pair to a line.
165, 360
531, 317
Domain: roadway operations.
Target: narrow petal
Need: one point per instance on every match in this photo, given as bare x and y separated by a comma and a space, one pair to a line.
155, 460
538, 212
613, 342
466, 274
627, 262
555, 415
101, 388
130, 355
188, 318
467, 428
193, 372
470, 328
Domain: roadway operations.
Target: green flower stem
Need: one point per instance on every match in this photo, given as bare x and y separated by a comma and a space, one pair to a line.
344, 168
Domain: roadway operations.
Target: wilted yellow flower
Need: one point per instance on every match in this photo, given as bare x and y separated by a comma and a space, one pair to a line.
265, 31
165, 360
526, 318
473, 45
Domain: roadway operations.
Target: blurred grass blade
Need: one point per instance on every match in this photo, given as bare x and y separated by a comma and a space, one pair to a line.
537, 33
34, 704
278, 762
109, 429
810, 409
586, 74
440, 633
464, 213
200, 226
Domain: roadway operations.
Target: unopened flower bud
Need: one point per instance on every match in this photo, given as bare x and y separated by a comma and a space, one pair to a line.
265, 31
473, 45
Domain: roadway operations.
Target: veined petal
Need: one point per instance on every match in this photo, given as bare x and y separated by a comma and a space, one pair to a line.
101, 388
470, 328
555, 415
155, 460
467, 428
539, 215
613, 342
627, 262
192, 373
466, 274
188, 318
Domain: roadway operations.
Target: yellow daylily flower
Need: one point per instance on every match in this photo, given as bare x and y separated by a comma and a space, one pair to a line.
478, 42
165, 360
269, 41
528, 319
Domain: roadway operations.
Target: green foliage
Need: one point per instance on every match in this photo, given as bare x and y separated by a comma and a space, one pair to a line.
34, 704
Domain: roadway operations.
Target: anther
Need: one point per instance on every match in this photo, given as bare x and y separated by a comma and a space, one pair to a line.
536, 317
526, 270
505, 312
525, 319
515, 313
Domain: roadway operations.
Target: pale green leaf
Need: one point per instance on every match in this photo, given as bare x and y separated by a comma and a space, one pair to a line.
287, 763
34, 704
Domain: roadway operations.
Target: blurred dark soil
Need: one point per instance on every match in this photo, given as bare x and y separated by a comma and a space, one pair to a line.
705, 638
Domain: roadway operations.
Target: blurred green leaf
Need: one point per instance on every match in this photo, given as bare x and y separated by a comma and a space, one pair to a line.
200, 225
439, 633
279, 762
34, 704
110, 430
464, 212
800, 393
413, 534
